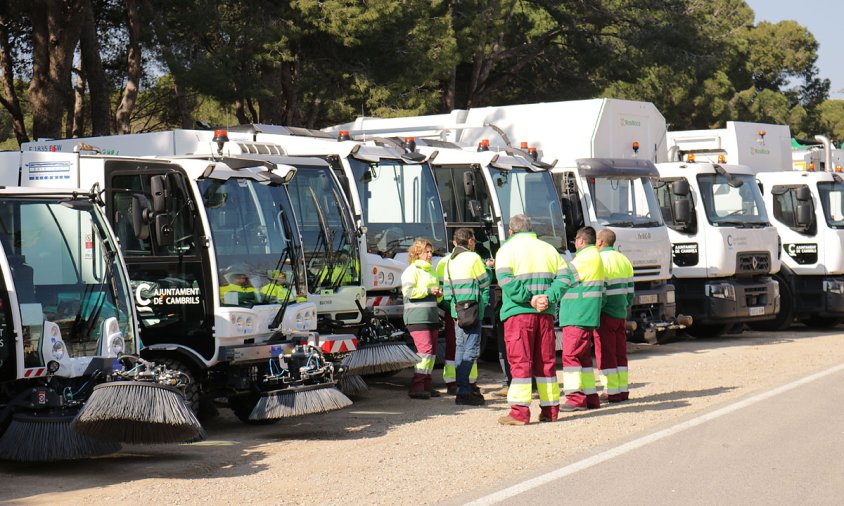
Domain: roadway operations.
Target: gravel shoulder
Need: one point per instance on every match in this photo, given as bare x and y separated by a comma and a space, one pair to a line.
389, 449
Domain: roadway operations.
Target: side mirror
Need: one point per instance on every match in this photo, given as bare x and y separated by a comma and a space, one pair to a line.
468, 184
804, 215
140, 216
682, 209
158, 188
803, 194
163, 230
680, 187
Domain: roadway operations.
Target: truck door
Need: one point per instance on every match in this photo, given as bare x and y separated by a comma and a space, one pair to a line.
171, 286
467, 204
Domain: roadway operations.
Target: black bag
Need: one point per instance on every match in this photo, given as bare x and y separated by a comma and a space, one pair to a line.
467, 310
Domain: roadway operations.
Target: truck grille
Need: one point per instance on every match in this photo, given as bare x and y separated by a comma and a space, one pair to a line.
645, 270
753, 263
756, 296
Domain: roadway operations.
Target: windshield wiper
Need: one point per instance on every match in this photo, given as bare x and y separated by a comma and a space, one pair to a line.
288, 253
625, 224
328, 264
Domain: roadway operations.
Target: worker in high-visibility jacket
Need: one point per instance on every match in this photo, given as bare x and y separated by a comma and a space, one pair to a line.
276, 290
467, 281
422, 293
611, 336
525, 266
236, 289
580, 292
449, 371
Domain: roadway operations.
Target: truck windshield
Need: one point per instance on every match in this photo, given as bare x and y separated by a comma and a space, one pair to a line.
400, 203
254, 241
832, 201
65, 270
732, 202
326, 225
624, 201
521, 191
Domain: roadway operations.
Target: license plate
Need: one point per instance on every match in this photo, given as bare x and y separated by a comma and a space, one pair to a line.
756, 311
648, 299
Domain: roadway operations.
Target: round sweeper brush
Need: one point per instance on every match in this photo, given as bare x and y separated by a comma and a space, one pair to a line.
42, 438
138, 413
353, 385
380, 358
298, 401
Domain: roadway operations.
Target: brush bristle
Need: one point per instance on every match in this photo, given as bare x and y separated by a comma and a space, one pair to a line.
353, 385
380, 358
284, 404
48, 438
138, 413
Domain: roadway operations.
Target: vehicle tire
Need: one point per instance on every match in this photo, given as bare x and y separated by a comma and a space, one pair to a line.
201, 407
489, 342
241, 406
784, 318
821, 322
708, 331
666, 336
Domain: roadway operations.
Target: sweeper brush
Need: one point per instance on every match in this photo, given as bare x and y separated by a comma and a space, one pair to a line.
138, 413
45, 438
353, 385
299, 401
380, 358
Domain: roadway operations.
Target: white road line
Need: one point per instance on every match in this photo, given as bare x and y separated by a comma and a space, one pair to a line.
533, 483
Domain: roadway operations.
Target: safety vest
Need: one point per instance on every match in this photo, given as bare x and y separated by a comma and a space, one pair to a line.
524, 267
341, 274
420, 307
619, 272
439, 270
272, 292
580, 304
465, 278
245, 294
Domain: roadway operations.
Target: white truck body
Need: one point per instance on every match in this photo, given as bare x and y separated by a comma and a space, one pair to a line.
572, 133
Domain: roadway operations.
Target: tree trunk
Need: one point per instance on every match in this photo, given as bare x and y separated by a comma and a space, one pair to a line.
449, 92
55, 32
78, 128
9, 98
185, 118
123, 116
240, 112
92, 67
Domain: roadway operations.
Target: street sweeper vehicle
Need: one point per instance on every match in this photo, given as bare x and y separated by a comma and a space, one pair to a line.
801, 204
331, 239
71, 382
205, 242
601, 151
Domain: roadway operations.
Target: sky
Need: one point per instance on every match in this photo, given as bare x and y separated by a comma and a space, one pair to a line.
825, 19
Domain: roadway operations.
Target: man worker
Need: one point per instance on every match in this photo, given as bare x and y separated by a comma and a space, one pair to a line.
276, 290
239, 290
580, 292
525, 267
611, 335
466, 280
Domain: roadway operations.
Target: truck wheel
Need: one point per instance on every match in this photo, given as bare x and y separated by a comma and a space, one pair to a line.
241, 406
666, 336
821, 322
202, 408
708, 331
784, 318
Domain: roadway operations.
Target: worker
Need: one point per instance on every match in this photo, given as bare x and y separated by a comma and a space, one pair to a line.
422, 293
468, 283
341, 272
525, 267
611, 336
580, 292
276, 290
449, 371
237, 282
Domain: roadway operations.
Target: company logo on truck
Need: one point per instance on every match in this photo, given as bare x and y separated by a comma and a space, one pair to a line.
146, 295
43, 171
685, 254
630, 122
760, 151
806, 253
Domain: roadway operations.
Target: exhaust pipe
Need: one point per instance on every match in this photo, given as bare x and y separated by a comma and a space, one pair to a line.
827, 152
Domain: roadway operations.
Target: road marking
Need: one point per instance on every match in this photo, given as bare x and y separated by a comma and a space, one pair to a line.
562, 472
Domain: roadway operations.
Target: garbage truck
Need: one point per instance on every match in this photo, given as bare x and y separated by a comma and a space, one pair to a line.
601, 151
802, 206
204, 242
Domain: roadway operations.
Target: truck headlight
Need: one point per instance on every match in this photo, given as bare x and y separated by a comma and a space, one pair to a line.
116, 344
722, 291
833, 286
58, 350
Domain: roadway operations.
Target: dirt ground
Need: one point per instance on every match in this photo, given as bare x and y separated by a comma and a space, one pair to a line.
389, 449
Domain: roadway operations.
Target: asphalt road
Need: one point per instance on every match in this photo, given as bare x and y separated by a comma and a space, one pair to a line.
782, 446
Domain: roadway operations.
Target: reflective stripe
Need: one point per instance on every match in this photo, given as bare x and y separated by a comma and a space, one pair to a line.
519, 392
592, 295
571, 381
504, 271
464, 281
411, 305
618, 291
536, 275
464, 291
597, 282
538, 287
425, 364
473, 373
574, 274
549, 391
505, 281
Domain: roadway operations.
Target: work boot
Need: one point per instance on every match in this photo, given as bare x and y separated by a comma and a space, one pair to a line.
475, 388
502, 392
546, 418
451, 388
509, 420
419, 395
568, 408
469, 400
435, 393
